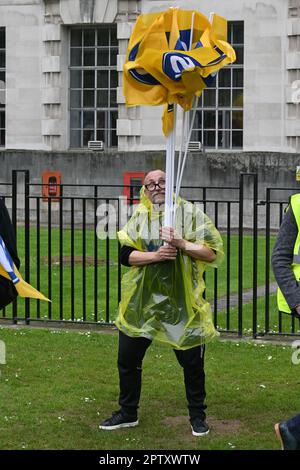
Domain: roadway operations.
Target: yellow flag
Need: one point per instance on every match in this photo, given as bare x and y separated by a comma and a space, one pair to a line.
9, 271
168, 119
172, 56
23, 288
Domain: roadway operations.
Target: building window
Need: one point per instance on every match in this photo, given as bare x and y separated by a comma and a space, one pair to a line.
93, 85
219, 117
2, 87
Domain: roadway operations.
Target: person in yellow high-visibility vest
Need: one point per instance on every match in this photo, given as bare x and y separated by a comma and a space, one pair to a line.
286, 267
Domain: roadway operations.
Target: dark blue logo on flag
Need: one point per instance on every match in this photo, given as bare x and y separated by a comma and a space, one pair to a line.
139, 74
7, 262
175, 62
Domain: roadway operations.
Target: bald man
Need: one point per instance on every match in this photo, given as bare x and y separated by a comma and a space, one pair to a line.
150, 315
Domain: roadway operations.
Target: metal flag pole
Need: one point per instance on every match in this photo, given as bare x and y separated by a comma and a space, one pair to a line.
170, 164
183, 137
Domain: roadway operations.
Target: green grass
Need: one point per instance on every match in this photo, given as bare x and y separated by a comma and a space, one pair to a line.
57, 386
247, 266
286, 320
112, 280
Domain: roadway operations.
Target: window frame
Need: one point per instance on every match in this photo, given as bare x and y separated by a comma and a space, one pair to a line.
228, 133
84, 111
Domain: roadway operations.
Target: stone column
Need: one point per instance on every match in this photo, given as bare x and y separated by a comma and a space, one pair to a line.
129, 119
293, 76
52, 125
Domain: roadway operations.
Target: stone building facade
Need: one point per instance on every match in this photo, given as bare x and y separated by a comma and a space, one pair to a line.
61, 77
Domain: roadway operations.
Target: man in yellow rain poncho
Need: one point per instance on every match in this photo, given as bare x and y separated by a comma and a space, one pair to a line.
162, 298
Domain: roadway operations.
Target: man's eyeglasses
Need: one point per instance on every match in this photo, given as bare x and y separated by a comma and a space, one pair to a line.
161, 184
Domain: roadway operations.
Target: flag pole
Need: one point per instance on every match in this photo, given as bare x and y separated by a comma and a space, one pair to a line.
186, 146
183, 136
170, 164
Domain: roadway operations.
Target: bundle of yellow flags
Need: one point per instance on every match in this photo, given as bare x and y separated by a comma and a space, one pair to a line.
172, 56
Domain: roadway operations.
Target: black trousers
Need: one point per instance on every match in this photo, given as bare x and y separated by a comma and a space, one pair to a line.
130, 358
294, 426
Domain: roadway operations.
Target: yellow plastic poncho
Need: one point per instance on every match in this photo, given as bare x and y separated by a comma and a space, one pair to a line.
163, 301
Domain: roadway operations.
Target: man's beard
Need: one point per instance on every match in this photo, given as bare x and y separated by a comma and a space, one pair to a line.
158, 206
161, 197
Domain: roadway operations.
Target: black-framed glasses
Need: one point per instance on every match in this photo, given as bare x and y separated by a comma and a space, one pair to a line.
161, 184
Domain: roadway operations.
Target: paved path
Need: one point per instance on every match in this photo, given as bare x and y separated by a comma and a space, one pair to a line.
247, 297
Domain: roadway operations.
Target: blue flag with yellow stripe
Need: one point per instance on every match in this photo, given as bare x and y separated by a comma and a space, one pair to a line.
9, 271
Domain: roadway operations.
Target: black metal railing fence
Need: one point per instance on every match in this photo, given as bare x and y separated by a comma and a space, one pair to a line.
71, 260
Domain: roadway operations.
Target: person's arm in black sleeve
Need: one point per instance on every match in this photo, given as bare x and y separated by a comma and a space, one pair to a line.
125, 253
7, 233
282, 259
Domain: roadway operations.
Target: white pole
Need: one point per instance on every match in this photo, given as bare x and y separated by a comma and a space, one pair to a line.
170, 158
183, 137
187, 145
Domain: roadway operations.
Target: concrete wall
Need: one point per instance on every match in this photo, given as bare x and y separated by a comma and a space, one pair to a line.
23, 23
277, 170
203, 169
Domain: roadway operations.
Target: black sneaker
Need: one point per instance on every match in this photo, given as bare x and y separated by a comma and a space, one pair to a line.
286, 439
199, 427
118, 420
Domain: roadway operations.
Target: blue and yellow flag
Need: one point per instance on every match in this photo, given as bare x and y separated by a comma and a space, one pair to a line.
172, 56
9, 271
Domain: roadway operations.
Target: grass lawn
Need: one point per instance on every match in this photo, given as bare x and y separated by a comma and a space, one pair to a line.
56, 386
110, 276
286, 320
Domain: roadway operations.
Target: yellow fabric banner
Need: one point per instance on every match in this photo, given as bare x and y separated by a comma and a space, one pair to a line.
23, 288
172, 56
9, 271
